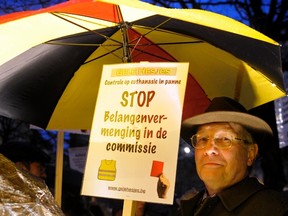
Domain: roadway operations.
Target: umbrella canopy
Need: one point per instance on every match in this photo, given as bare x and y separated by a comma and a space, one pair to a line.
51, 59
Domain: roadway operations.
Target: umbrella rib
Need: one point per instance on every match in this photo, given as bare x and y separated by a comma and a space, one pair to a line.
95, 32
110, 52
134, 47
119, 14
69, 15
79, 44
154, 28
99, 45
172, 43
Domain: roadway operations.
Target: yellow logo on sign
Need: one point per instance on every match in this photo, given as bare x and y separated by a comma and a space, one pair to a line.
107, 170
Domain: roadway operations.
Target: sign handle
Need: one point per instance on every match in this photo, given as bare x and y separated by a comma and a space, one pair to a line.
59, 167
129, 208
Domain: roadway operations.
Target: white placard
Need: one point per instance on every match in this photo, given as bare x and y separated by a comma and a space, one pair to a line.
136, 131
77, 158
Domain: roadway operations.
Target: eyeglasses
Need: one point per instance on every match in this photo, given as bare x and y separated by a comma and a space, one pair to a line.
221, 141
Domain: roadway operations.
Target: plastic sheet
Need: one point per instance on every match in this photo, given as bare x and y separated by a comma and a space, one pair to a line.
23, 194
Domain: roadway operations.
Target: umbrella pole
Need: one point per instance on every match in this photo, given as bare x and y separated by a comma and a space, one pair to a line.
59, 167
129, 208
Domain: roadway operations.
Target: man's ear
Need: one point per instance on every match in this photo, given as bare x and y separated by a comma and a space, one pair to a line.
252, 154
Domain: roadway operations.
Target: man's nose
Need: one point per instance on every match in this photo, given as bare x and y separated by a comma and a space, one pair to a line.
210, 148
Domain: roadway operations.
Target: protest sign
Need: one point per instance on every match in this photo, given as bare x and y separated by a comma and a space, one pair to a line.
77, 158
135, 133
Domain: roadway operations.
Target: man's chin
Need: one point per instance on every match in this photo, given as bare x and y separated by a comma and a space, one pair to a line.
211, 176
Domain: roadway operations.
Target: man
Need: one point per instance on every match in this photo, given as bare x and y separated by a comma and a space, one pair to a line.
27, 157
226, 139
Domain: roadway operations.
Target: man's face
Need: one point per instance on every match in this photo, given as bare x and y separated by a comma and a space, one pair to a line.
221, 168
37, 169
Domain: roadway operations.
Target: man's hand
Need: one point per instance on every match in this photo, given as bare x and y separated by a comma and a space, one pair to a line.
162, 186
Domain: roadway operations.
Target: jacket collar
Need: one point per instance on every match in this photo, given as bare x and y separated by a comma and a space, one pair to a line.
231, 198
188, 206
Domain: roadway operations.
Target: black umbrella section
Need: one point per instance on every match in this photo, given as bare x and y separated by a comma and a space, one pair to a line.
258, 54
35, 85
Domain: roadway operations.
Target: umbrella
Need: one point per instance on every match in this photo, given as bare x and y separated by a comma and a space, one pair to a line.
51, 59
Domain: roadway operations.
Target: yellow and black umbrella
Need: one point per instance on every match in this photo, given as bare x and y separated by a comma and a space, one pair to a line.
51, 59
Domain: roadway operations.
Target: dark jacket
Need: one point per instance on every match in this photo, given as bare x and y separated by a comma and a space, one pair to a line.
246, 198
